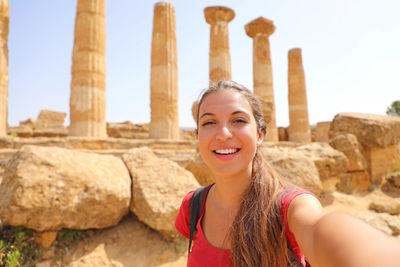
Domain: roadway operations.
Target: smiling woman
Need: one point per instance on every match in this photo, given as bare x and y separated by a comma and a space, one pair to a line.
251, 216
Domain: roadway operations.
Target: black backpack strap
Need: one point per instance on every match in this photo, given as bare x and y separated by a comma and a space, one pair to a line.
196, 209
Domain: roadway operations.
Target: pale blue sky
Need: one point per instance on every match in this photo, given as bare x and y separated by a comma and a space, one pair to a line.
351, 55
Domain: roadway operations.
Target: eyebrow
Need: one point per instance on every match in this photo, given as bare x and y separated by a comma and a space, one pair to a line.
233, 113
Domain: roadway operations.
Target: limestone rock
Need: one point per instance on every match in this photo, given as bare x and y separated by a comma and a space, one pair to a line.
382, 161
49, 188
356, 181
48, 118
45, 239
200, 170
295, 166
386, 205
331, 164
390, 188
394, 178
20, 131
128, 130
371, 130
348, 144
158, 187
321, 131
97, 257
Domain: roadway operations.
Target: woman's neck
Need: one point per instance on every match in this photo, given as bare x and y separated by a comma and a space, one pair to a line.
228, 191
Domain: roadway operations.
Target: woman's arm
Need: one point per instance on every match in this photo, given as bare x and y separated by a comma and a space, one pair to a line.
337, 239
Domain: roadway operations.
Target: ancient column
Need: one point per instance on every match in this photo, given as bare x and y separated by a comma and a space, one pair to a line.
88, 83
299, 127
260, 29
220, 59
164, 74
4, 19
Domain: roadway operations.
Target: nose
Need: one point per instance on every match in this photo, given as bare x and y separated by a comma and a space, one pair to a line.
223, 133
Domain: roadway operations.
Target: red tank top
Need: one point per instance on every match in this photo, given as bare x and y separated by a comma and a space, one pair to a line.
206, 255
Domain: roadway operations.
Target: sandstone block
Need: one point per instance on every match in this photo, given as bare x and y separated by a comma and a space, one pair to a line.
200, 170
386, 205
48, 118
321, 131
356, 181
128, 130
295, 166
381, 161
45, 239
158, 187
390, 185
371, 130
331, 164
394, 178
20, 131
348, 144
49, 188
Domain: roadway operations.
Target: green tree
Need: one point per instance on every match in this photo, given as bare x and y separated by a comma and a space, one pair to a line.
394, 109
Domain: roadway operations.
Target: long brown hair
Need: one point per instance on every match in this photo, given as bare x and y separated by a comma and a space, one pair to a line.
257, 232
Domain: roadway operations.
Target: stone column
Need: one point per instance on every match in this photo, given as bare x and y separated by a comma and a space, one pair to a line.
260, 29
220, 59
299, 127
4, 20
88, 83
164, 74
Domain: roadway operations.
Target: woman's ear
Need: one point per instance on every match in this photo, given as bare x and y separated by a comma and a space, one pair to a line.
260, 137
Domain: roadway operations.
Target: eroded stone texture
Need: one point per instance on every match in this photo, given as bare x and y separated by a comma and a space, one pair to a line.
295, 166
299, 128
158, 187
4, 28
220, 59
331, 164
260, 29
48, 118
164, 74
88, 83
348, 144
50, 188
381, 161
321, 131
371, 130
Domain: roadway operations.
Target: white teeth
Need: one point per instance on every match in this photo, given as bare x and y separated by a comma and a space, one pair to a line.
226, 151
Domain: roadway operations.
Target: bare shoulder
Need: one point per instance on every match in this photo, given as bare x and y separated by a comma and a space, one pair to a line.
304, 210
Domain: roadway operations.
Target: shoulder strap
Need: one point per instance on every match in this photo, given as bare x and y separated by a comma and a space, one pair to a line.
196, 208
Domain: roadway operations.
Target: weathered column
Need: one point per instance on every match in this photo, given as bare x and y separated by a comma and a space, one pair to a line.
164, 74
260, 29
220, 59
88, 83
4, 20
299, 127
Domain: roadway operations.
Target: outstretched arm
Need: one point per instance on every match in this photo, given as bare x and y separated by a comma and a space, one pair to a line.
337, 239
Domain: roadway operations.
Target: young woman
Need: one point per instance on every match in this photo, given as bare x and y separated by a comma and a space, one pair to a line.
251, 217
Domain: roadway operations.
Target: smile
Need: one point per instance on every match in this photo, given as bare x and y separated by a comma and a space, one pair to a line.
226, 151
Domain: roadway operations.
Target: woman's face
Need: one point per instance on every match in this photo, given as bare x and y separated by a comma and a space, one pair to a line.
227, 133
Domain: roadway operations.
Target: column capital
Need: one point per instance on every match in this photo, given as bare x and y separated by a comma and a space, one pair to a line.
218, 13
260, 25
